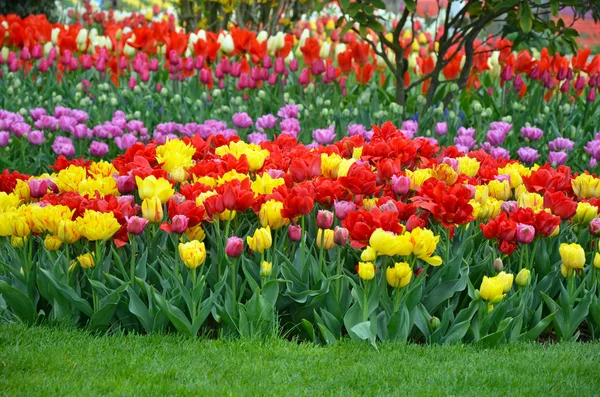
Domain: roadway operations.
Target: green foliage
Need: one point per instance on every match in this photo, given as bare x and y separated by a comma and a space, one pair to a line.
29, 7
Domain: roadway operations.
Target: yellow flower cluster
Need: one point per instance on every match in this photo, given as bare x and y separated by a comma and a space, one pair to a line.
254, 154
419, 242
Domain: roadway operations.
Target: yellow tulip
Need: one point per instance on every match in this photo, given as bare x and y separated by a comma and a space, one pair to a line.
399, 275
424, 244
266, 268
153, 187
152, 209
368, 255
52, 243
86, 261
94, 225
67, 231
195, 233
386, 243
597, 260
366, 270
20, 226
325, 241
68, 180
468, 166
523, 278
500, 190
572, 256
17, 242
270, 215
5, 223
261, 240
22, 190
193, 254
507, 281
586, 186
491, 289
585, 213
175, 154
265, 184
8, 201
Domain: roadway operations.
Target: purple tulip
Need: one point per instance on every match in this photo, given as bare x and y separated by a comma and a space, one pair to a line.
400, 184
266, 122
98, 149
324, 136
136, 225
290, 126
126, 141
343, 208
557, 158
496, 137
410, 125
257, 138
441, 128
4, 138
561, 144
36, 137
500, 152
37, 113
356, 129
509, 206
125, 183
288, 112
532, 133
63, 145
528, 155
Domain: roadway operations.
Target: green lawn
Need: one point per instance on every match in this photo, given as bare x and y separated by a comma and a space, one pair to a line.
59, 362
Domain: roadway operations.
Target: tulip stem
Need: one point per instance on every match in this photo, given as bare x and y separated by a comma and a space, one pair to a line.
132, 264
233, 279
193, 275
68, 257
339, 273
365, 301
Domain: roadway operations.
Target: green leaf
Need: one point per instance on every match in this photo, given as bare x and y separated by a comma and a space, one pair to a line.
69, 293
309, 329
176, 316
536, 331
363, 331
411, 5
101, 319
139, 309
525, 17
21, 305
554, 8
493, 338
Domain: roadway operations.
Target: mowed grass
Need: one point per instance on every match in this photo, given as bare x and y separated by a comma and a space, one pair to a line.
43, 361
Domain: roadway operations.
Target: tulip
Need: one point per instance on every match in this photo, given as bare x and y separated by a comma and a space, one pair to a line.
343, 208
136, 225
95, 225
399, 276
523, 278
507, 281
595, 227
125, 184
491, 289
193, 254
498, 265
584, 214
400, 184
195, 233
386, 243
441, 128
266, 268
38, 187
154, 187
294, 233
152, 209
234, 247
270, 215
525, 233
52, 243
179, 224
67, 231
86, 260
572, 256
324, 219
261, 240
340, 235
368, 254
366, 270
325, 239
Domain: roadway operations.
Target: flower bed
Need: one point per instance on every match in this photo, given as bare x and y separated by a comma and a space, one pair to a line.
387, 239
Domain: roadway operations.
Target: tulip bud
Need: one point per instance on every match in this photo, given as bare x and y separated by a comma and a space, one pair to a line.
324, 219
340, 235
509, 206
135, 224
400, 184
52, 243
498, 265
524, 278
266, 268
325, 239
179, 223
594, 226
434, 322
152, 209
294, 233
234, 247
